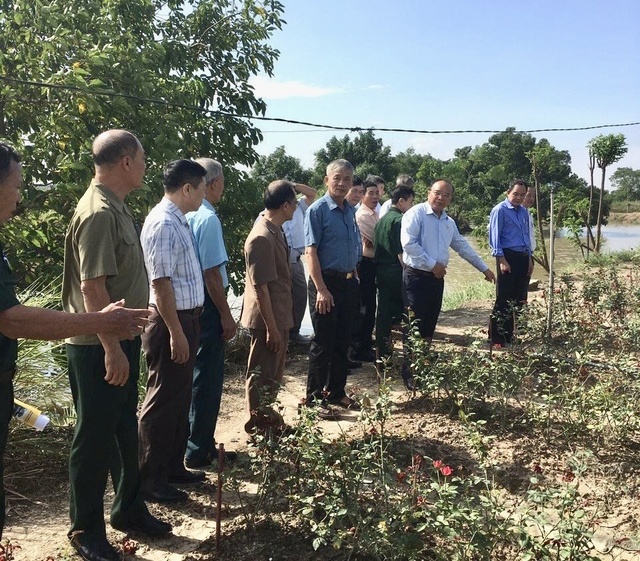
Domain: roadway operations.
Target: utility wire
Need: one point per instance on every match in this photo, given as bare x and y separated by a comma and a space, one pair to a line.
291, 121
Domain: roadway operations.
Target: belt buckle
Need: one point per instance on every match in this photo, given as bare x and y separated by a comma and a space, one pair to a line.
349, 275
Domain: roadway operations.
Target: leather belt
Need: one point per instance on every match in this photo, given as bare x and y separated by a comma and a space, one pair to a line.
338, 274
419, 272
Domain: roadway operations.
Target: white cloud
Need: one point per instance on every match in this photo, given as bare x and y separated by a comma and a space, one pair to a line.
375, 87
270, 88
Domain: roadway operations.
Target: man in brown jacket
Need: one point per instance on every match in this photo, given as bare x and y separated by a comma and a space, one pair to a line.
267, 309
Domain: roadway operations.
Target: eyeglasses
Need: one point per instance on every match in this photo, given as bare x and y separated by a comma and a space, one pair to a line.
441, 194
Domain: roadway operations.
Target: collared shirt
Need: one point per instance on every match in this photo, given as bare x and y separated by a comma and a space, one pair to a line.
8, 347
366, 220
294, 231
102, 241
267, 262
207, 231
509, 229
426, 240
334, 233
387, 245
170, 252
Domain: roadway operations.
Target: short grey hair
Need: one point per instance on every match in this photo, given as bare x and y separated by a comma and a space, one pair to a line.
405, 179
213, 167
339, 165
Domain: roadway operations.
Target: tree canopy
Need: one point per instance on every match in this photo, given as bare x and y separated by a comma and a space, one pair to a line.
176, 74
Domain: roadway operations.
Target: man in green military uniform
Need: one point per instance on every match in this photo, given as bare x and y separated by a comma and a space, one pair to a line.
104, 261
388, 258
17, 320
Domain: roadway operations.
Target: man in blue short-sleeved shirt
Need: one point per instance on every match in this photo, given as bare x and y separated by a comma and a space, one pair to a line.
333, 251
216, 322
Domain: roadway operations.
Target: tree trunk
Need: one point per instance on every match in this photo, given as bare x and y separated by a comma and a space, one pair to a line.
592, 167
544, 261
599, 223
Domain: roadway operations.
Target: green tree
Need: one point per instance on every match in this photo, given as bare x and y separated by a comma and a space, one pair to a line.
605, 150
366, 153
626, 184
279, 165
101, 63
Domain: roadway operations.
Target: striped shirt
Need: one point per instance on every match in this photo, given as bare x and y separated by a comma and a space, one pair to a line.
170, 251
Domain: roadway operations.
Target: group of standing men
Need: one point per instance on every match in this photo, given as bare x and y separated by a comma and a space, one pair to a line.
176, 267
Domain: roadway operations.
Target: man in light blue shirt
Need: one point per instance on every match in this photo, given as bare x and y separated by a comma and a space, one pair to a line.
510, 241
333, 249
426, 235
216, 322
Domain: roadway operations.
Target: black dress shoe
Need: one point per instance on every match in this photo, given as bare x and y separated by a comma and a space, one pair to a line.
364, 355
300, 339
351, 364
165, 494
94, 549
145, 524
185, 477
194, 463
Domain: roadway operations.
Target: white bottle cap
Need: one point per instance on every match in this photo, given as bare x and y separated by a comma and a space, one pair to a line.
41, 422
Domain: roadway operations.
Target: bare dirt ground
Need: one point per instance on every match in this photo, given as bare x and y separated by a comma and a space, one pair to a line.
38, 488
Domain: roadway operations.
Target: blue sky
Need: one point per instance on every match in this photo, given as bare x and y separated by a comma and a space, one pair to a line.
459, 64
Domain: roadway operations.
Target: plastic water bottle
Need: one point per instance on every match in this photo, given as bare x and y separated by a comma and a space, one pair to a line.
29, 414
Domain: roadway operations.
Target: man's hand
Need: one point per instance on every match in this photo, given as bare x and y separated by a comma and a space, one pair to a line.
229, 327
324, 301
116, 366
179, 348
490, 276
531, 264
367, 242
124, 323
274, 340
439, 270
504, 265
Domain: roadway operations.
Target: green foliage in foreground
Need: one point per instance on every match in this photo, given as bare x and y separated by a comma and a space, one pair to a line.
375, 493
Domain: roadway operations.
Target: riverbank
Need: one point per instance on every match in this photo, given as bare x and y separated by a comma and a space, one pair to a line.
624, 218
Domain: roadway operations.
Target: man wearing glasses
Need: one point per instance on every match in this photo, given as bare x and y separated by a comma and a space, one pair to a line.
426, 235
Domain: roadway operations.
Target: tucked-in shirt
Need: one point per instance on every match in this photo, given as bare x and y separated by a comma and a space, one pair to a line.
8, 347
102, 241
366, 220
294, 231
426, 239
207, 231
509, 228
333, 232
386, 244
267, 262
170, 252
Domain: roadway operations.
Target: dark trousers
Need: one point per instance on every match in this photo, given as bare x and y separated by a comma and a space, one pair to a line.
511, 293
105, 440
208, 379
328, 364
164, 419
390, 304
6, 411
423, 296
299, 292
264, 378
367, 311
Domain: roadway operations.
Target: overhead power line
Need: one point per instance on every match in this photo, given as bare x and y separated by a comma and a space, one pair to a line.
162, 102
